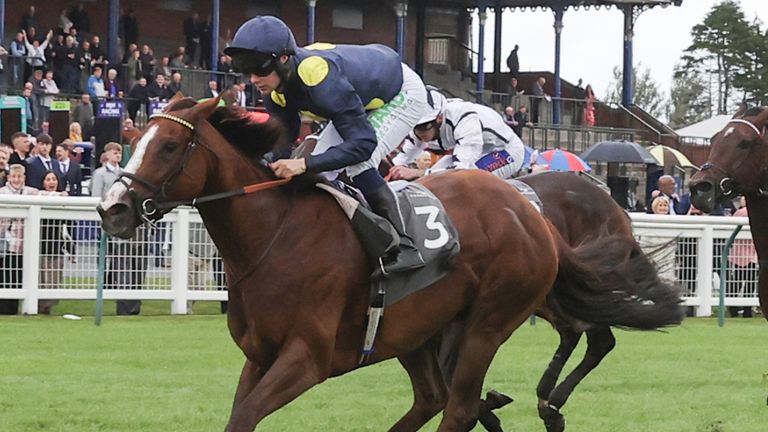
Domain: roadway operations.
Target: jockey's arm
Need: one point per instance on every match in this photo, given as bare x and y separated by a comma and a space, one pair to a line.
292, 122
411, 148
469, 141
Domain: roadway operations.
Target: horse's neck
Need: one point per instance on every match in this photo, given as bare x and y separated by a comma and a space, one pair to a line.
758, 222
242, 227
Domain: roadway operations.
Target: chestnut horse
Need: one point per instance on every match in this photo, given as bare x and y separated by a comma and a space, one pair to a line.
299, 285
738, 165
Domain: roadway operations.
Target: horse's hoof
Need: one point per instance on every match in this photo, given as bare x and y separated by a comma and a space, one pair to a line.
496, 400
553, 420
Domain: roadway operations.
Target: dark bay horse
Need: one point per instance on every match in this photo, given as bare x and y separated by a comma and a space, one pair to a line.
299, 277
738, 165
582, 213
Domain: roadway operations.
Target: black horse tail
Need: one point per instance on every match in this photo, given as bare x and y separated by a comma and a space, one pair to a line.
608, 280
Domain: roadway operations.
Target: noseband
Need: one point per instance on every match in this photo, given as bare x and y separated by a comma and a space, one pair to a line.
149, 208
727, 185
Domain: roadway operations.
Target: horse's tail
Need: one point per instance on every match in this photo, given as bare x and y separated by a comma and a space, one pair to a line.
608, 280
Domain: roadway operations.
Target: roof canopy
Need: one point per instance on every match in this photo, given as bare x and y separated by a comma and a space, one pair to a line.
555, 3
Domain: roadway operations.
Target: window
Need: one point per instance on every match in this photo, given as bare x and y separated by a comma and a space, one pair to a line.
176, 5
348, 17
260, 7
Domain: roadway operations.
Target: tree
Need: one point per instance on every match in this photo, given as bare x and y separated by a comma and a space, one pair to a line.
726, 48
690, 99
647, 94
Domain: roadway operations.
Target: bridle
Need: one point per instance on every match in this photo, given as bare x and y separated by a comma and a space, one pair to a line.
152, 208
727, 185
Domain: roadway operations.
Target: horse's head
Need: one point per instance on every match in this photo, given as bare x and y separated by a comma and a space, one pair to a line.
164, 166
737, 164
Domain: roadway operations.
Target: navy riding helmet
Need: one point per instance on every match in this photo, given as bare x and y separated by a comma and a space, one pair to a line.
258, 43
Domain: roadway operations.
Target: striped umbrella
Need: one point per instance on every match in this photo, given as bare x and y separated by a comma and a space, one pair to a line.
669, 157
561, 160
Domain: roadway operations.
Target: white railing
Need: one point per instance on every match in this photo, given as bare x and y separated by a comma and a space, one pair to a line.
178, 262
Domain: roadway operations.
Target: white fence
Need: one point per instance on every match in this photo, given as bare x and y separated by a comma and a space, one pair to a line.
178, 262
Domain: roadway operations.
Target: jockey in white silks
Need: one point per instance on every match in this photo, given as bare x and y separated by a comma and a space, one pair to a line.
468, 135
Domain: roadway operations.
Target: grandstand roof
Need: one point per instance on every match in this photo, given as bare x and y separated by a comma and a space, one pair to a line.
555, 3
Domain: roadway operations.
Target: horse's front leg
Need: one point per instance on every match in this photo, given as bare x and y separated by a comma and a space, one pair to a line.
294, 371
249, 377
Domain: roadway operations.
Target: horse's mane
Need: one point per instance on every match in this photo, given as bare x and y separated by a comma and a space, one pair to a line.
751, 112
250, 135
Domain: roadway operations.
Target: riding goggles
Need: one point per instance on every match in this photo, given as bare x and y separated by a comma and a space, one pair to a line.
256, 64
426, 126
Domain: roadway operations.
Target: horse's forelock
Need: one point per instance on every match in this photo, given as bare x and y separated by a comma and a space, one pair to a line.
252, 135
183, 103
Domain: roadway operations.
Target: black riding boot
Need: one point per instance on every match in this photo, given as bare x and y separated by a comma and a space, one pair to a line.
406, 256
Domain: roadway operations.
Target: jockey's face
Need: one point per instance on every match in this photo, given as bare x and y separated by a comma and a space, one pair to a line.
429, 131
266, 84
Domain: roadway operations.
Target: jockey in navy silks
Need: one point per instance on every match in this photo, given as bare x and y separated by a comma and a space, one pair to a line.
468, 135
371, 99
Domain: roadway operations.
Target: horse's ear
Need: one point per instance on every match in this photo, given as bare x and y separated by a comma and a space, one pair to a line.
740, 113
204, 109
177, 97
761, 119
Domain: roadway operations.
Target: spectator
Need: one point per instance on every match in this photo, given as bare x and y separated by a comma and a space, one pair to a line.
589, 106
521, 119
83, 114
85, 61
147, 62
206, 39
175, 85
96, 85
137, 96
18, 50
512, 88
665, 255
26, 94
424, 161
38, 93
133, 67
111, 86
21, 146
129, 52
164, 67
513, 63
75, 152
212, 90
75, 37
75, 132
177, 62
70, 66
5, 154
13, 232
29, 19
52, 245
98, 54
538, 94
668, 189
158, 90
70, 173
38, 165
80, 18
64, 22
192, 34
744, 268
241, 97
49, 90
36, 50
127, 258
129, 29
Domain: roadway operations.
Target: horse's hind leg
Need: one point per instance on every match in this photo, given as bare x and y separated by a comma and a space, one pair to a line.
429, 390
600, 342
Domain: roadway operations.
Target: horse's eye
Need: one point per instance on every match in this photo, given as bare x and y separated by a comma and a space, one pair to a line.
169, 147
745, 144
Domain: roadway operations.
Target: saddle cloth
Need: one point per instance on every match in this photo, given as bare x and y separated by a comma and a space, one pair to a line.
426, 222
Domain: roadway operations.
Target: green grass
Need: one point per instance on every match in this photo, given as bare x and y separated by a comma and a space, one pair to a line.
163, 373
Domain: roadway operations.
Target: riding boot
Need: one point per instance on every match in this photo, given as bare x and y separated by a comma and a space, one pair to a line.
405, 257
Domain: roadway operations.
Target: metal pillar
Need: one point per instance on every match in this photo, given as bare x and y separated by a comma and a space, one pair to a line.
421, 18
113, 22
481, 53
627, 94
497, 11
215, 22
558, 31
401, 9
311, 4
2, 22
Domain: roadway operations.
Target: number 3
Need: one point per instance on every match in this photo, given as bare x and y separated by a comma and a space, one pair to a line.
433, 225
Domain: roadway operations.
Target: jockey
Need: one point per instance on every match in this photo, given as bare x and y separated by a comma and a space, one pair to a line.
371, 99
469, 135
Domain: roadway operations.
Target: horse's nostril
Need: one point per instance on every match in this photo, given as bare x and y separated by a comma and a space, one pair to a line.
702, 187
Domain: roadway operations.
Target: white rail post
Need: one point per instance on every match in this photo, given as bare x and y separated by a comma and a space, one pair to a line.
705, 269
180, 262
31, 261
